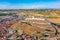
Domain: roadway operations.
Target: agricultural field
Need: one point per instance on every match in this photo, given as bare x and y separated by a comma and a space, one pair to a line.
30, 24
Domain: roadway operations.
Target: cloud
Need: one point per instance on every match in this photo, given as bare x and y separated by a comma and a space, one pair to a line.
39, 5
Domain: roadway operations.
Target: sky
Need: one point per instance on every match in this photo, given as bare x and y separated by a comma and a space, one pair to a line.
29, 4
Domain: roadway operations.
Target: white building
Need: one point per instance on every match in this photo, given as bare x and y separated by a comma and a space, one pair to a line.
35, 18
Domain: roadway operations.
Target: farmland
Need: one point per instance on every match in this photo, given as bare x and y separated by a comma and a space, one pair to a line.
40, 23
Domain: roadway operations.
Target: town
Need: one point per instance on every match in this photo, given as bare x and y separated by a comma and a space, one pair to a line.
30, 24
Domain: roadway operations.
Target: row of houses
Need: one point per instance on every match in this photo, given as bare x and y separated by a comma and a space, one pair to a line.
35, 18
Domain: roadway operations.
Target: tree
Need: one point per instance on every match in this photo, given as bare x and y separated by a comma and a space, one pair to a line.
53, 25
